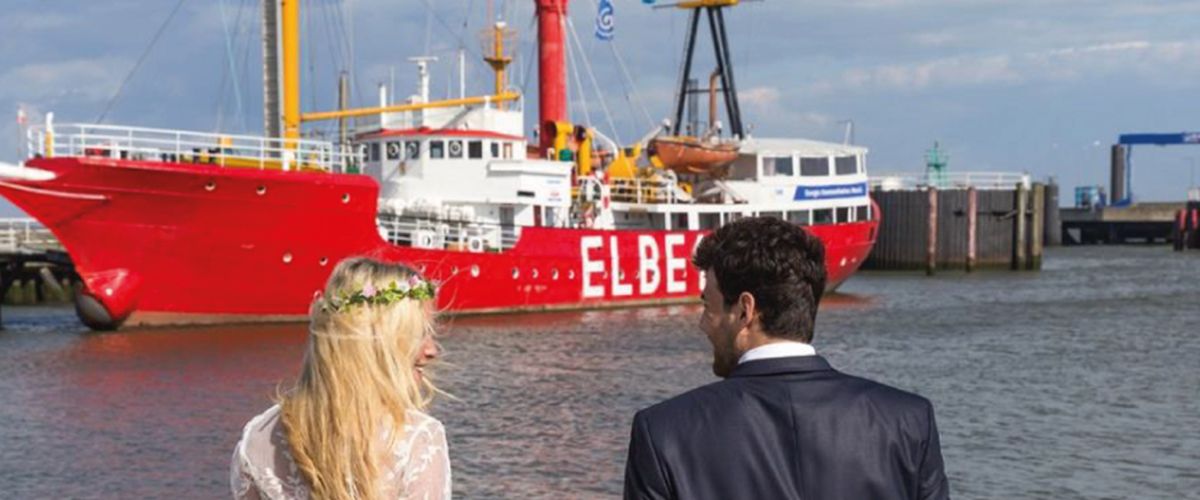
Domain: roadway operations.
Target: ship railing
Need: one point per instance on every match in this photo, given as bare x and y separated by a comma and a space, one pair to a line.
449, 235
641, 190
18, 234
178, 146
949, 180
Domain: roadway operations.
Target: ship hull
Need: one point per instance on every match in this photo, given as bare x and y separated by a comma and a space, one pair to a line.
168, 243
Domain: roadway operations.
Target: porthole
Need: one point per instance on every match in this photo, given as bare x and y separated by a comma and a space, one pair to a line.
535, 274
453, 270
287, 258
210, 186
261, 190
554, 274
475, 271
571, 274
516, 273
345, 197
324, 261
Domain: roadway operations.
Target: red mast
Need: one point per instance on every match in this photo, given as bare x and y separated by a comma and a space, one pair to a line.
552, 71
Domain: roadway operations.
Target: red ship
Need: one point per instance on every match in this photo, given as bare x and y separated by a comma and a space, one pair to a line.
169, 227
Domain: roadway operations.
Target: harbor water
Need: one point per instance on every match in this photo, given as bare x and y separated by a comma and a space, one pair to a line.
1079, 381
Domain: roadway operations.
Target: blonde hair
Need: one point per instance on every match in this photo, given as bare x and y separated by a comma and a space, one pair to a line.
347, 408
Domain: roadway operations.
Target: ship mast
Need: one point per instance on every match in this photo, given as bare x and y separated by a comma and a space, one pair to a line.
281, 68
552, 70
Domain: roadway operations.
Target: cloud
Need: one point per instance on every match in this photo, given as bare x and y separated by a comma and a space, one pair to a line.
761, 98
1060, 64
89, 79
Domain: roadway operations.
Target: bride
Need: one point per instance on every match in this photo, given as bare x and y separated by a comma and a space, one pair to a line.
353, 426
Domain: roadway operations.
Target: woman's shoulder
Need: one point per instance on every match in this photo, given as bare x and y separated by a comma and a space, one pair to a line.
259, 435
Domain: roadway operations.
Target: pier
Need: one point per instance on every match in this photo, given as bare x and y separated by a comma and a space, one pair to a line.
1137, 223
34, 268
965, 221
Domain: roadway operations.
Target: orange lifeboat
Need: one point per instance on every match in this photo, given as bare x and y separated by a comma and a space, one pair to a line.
689, 155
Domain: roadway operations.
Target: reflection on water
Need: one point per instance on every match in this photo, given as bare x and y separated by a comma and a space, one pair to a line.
1076, 382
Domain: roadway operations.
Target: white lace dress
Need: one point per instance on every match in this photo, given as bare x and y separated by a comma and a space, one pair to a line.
262, 465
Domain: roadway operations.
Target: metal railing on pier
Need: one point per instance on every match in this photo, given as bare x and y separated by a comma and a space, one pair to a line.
24, 234
223, 150
949, 180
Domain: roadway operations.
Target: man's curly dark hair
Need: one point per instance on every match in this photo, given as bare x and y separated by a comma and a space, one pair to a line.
779, 263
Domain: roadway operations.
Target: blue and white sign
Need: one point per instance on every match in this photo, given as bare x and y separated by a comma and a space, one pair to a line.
831, 191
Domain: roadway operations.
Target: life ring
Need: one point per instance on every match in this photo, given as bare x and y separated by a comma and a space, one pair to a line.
456, 149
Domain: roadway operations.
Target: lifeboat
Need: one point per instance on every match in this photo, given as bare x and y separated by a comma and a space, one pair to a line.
689, 155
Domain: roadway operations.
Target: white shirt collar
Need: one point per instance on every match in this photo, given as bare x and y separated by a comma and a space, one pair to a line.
781, 349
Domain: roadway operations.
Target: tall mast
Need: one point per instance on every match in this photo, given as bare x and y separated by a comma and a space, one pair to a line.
270, 32
290, 21
552, 70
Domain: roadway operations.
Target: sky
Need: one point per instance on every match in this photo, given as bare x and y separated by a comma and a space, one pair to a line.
1037, 86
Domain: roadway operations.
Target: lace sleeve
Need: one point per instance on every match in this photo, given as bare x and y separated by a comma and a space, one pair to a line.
427, 473
241, 483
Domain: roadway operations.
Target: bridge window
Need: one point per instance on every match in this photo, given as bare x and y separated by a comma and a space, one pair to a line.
456, 149
495, 149
437, 150
814, 167
861, 213
846, 165
508, 151
778, 165
823, 216
801, 217
374, 152
475, 150
843, 214
393, 150
412, 150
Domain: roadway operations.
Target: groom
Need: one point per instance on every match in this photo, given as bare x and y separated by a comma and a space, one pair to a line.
783, 424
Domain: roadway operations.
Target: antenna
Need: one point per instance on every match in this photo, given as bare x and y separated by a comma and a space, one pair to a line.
423, 75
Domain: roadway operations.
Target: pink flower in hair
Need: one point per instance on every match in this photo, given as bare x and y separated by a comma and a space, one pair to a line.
413, 281
369, 291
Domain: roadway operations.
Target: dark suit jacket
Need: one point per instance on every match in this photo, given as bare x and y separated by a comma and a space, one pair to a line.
787, 428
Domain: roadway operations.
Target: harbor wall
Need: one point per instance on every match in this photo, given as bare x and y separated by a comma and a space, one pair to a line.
931, 229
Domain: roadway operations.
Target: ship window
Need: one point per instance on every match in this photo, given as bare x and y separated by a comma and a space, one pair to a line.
843, 214
861, 214
412, 150
773, 215
475, 150
393, 150
374, 152
781, 165
437, 149
508, 151
814, 167
801, 217
846, 165
495, 150
823, 216
456, 149
710, 221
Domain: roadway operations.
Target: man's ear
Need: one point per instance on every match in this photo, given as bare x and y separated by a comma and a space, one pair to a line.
748, 308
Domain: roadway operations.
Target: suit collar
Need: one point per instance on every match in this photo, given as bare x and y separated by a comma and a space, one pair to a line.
776, 366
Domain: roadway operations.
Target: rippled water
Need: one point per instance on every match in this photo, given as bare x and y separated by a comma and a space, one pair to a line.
1082, 381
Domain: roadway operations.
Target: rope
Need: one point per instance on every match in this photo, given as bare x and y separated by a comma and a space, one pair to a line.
587, 118
140, 60
592, 75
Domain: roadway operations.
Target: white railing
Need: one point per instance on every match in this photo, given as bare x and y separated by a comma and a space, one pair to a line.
949, 180
150, 144
456, 235
639, 190
18, 233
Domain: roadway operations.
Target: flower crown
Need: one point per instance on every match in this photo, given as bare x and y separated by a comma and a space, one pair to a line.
414, 288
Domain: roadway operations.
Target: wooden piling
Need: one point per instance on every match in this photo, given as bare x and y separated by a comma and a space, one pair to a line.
931, 240
972, 227
1034, 262
1022, 203
1179, 234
